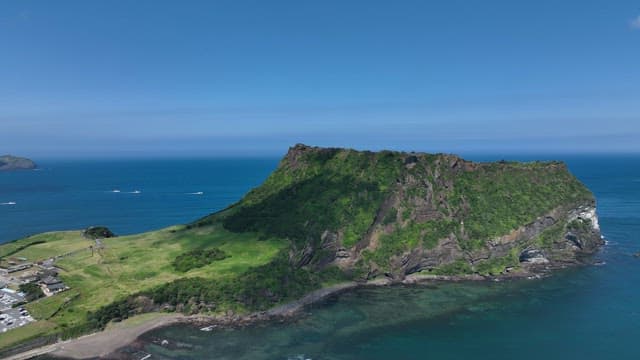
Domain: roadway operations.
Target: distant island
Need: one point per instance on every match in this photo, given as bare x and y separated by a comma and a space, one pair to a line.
10, 162
326, 220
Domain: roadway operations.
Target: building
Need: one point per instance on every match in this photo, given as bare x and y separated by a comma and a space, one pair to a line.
51, 285
54, 288
50, 280
29, 278
13, 268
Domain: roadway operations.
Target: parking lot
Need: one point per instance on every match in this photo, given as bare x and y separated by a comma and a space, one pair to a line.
11, 318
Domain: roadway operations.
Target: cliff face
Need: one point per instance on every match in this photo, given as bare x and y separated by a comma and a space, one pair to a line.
9, 162
396, 213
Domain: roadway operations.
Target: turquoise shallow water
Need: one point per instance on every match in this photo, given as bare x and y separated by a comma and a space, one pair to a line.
591, 312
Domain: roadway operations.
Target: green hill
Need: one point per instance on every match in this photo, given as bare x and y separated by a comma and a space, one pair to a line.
397, 213
323, 216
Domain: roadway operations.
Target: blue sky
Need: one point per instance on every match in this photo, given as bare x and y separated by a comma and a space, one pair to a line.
159, 78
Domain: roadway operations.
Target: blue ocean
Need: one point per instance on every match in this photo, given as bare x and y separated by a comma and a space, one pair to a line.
589, 312
127, 196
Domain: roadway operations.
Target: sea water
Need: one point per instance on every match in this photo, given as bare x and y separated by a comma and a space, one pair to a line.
590, 312
128, 196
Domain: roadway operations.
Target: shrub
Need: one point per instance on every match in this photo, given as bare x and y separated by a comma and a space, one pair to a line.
197, 258
32, 291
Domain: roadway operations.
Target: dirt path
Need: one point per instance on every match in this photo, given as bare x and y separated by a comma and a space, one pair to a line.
102, 343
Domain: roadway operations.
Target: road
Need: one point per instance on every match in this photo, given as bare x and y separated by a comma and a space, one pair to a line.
11, 318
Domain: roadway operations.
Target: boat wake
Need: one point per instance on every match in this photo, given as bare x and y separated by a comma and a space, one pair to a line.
196, 193
298, 357
126, 192
8, 203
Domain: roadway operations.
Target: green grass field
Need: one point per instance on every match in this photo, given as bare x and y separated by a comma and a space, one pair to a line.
24, 333
45, 245
127, 265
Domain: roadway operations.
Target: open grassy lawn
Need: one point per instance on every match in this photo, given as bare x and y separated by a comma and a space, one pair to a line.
43, 246
24, 333
129, 264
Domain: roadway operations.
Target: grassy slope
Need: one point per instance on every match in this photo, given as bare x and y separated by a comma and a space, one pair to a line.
127, 265
325, 189
316, 189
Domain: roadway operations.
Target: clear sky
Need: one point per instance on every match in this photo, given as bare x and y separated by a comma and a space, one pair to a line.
158, 78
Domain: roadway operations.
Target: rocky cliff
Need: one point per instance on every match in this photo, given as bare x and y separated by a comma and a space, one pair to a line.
396, 213
9, 162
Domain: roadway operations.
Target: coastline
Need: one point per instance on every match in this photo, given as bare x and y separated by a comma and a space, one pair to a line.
99, 344
108, 342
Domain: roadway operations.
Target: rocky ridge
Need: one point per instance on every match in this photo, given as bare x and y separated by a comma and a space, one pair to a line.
420, 213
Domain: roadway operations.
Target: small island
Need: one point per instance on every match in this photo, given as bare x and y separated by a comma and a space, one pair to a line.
326, 220
10, 162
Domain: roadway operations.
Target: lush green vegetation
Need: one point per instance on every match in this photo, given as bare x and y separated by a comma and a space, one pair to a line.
503, 196
405, 238
256, 289
496, 266
551, 234
32, 291
391, 217
197, 258
98, 232
458, 267
46, 308
580, 226
31, 331
129, 265
327, 189
11, 250
43, 246
342, 191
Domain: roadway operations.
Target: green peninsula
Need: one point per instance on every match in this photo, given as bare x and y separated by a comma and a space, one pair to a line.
325, 216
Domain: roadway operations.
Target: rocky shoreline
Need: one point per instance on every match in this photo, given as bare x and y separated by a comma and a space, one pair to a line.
292, 310
117, 343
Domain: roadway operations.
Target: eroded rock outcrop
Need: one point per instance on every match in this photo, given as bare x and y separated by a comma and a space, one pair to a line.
396, 213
